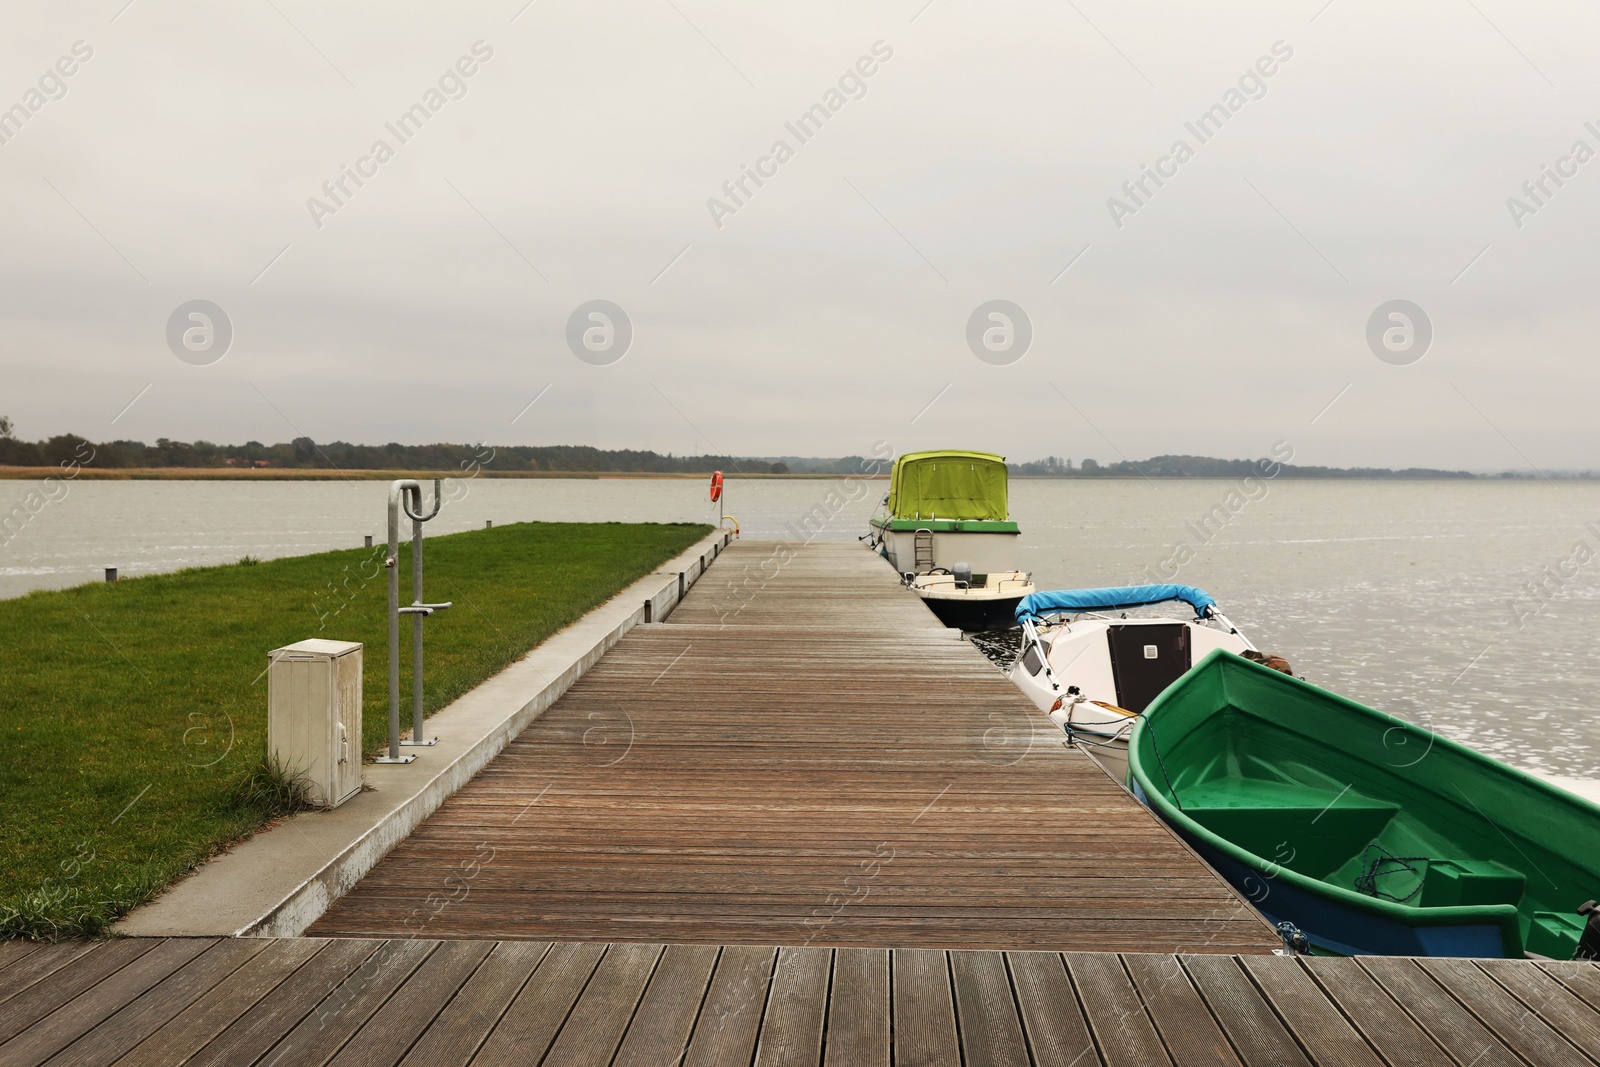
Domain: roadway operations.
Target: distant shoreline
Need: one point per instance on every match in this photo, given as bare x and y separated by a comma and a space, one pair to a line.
314, 474
322, 474
305, 460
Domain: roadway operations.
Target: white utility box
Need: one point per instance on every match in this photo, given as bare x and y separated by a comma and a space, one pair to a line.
314, 716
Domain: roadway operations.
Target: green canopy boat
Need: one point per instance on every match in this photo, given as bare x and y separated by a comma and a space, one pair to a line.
1361, 832
945, 528
949, 484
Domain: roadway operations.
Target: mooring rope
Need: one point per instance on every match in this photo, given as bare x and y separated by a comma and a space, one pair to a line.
1367, 881
1156, 748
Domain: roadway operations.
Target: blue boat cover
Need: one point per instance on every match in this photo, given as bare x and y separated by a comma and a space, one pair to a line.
1109, 599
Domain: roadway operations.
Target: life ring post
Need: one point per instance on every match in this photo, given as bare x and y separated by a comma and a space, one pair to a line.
716, 495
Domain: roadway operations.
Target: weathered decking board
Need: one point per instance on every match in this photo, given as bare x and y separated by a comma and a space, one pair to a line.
310, 1001
801, 757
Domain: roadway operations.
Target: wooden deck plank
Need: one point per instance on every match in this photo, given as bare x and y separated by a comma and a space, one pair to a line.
595, 1028
95, 1006
390, 1032
1316, 1023
1447, 1022
474, 1011
134, 1023
350, 1004
310, 1001
924, 1010
1187, 1029
1504, 1014
1581, 979
224, 1005
14, 949
799, 911
47, 994
267, 1021
660, 1030
858, 1009
991, 1028
1568, 1014
730, 1019
44, 960
825, 765
532, 1021
1122, 1030
1058, 1032
1381, 1021
791, 1032
1248, 1020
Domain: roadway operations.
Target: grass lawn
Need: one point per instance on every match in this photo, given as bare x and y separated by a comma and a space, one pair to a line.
133, 716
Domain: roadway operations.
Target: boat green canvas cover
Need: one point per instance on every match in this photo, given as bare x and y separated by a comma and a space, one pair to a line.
948, 485
1336, 805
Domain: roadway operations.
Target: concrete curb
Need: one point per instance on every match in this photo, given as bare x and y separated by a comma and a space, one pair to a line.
280, 882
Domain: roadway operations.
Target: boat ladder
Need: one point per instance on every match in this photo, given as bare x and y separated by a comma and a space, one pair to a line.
923, 548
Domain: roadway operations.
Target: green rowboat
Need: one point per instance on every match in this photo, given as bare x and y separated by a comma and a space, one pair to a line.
1367, 833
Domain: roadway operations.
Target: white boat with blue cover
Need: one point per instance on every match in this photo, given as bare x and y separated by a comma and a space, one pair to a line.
1093, 669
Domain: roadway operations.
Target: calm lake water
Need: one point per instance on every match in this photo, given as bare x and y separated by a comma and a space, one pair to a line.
1413, 597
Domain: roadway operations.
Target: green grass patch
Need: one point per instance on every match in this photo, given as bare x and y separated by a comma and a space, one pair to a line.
133, 716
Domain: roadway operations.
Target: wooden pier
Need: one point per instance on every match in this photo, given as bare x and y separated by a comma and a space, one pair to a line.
309, 1001
800, 755
796, 823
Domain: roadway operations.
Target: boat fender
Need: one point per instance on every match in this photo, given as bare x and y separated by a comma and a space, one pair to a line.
1266, 659
1589, 943
1294, 942
1072, 691
1061, 711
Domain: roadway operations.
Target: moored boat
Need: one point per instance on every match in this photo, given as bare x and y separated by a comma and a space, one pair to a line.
1093, 672
945, 527
1363, 833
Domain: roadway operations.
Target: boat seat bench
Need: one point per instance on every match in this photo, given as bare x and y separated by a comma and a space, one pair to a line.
1310, 840
1331, 843
1467, 883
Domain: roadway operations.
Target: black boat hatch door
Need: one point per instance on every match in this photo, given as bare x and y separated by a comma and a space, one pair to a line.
1146, 659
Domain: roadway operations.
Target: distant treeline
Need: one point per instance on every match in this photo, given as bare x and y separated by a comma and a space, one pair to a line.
1207, 467
303, 453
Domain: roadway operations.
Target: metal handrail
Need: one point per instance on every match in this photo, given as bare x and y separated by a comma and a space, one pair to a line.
930, 579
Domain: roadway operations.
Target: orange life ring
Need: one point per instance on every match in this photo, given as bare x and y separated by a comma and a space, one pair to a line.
716, 486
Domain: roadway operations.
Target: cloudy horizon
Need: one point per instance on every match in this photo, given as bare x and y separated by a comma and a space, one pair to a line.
814, 299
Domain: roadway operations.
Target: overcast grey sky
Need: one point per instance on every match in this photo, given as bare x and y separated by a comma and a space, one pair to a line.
826, 308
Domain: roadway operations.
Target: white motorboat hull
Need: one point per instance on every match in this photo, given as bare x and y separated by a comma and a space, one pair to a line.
984, 549
1098, 673
972, 607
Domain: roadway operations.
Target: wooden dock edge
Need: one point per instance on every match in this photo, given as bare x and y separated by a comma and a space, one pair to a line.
279, 882
414, 1001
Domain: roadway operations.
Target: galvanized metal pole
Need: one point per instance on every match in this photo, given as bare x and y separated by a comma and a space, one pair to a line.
419, 611
392, 563
418, 736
